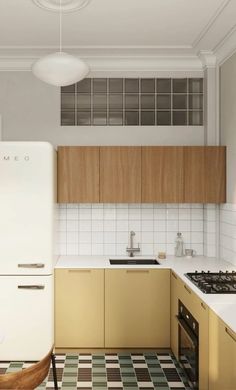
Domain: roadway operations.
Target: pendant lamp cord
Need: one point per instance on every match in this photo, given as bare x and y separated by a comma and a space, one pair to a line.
60, 28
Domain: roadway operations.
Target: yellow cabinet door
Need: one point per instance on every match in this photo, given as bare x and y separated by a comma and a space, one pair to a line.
200, 312
174, 306
137, 308
79, 308
222, 355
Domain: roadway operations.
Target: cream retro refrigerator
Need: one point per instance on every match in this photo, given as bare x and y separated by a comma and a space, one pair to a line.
27, 203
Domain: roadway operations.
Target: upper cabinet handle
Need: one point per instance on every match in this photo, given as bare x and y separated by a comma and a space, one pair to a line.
230, 334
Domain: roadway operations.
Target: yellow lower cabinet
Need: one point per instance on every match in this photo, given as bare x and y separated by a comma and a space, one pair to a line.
137, 308
79, 308
222, 355
174, 306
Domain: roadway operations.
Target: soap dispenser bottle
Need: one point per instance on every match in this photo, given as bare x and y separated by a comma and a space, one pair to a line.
179, 245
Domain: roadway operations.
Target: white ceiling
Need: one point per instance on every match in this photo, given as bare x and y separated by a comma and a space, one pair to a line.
162, 26
114, 23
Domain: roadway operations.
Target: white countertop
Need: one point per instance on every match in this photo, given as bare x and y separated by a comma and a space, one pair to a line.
224, 305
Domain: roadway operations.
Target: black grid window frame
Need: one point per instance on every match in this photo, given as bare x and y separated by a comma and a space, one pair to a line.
133, 102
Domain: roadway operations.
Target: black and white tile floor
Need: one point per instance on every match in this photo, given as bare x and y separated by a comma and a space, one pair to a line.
146, 371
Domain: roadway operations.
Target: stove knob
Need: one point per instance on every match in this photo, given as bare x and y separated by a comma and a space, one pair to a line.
208, 288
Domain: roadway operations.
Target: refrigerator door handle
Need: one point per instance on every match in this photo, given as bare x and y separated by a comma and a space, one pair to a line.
31, 287
31, 265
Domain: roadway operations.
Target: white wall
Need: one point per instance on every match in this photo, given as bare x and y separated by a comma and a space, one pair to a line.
228, 138
31, 112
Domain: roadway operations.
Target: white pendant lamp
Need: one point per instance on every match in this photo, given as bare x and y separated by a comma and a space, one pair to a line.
60, 69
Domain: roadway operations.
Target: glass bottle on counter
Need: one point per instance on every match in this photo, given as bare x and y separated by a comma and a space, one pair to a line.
179, 245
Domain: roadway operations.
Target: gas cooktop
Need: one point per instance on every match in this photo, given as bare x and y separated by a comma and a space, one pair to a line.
214, 282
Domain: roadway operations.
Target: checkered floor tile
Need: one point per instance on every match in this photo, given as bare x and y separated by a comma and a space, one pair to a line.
120, 371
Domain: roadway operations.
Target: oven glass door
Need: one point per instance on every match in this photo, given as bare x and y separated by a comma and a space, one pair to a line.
188, 352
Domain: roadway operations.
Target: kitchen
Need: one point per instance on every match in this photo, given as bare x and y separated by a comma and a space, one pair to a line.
142, 148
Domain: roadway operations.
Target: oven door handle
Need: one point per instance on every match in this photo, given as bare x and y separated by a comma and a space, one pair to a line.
189, 333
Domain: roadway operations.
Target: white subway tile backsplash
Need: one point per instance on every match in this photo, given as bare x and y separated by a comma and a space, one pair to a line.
97, 225
72, 226
97, 249
135, 214
172, 214
97, 213
110, 225
160, 214
109, 237
173, 225
147, 225
122, 225
97, 237
85, 214
123, 237
184, 214
110, 213
85, 226
184, 226
135, 225
85, 237
103, 229
160, 225
85, 249
197, 214
147, 237
228, 232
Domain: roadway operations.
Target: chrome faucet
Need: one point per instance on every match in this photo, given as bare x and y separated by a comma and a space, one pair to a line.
131, 248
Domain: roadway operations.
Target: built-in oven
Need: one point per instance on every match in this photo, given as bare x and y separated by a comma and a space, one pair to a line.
188, 345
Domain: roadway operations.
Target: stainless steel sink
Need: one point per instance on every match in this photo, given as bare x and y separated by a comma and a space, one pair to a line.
133, 261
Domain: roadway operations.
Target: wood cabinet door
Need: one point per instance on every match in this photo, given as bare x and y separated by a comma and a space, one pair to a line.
204, 174
215, 174
194, 174
120, 174
222, 355
78, 174
79, 308
137, 308
162, 174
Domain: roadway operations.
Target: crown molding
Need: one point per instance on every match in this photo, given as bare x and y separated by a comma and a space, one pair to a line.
109, 59
208, 58
210, 23
226, 47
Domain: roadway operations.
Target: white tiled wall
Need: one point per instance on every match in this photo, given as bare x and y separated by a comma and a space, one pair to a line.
228, 232
103, 229
211, 229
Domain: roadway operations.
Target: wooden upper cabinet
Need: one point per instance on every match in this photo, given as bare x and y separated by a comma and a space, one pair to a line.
215, 174
78, 174
120, 174
162, 174
204, 174
194, 174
